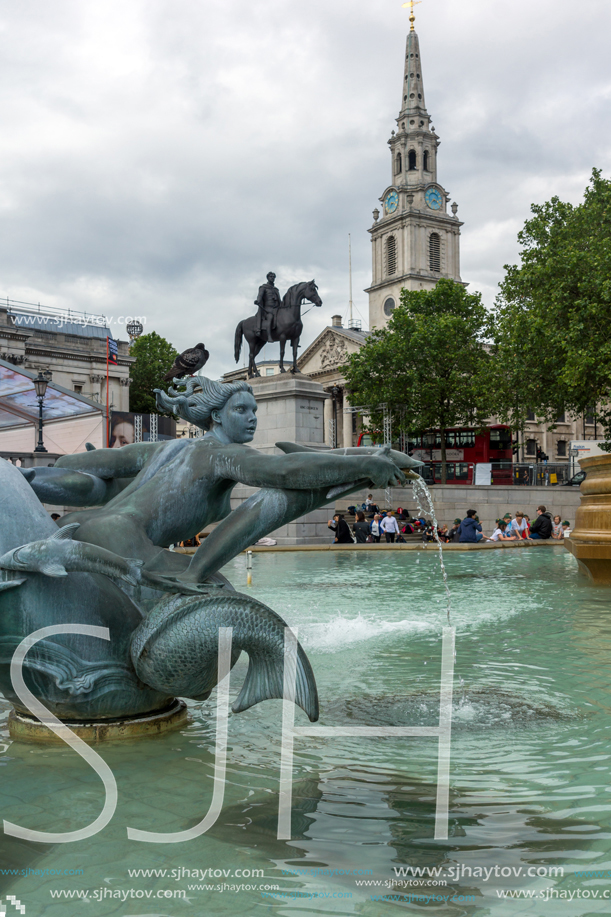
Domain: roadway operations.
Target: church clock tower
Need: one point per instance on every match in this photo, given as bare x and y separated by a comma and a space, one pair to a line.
415, 241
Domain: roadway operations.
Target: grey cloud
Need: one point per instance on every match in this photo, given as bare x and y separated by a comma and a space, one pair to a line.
160, 158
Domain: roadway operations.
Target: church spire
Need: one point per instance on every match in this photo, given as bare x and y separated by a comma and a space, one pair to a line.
413, 102
416, 241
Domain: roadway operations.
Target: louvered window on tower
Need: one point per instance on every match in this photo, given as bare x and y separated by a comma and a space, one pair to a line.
398, 164
412, 160
391, 255
434, 252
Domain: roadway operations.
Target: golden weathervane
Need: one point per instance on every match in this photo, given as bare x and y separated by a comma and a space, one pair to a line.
412, 4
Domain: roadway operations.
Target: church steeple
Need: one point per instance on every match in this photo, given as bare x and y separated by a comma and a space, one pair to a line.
416, 241
413, 86
414, 146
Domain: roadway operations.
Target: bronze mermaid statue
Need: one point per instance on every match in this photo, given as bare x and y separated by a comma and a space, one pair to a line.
108, 564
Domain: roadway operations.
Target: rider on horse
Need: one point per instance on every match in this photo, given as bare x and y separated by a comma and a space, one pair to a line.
268, 300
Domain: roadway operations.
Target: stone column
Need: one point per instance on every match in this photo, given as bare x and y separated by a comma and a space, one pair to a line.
347, 431
328, 417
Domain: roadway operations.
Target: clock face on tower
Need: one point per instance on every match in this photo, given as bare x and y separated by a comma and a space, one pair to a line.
391, 202
433, 198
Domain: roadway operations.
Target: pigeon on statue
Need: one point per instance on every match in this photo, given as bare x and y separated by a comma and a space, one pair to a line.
188, 363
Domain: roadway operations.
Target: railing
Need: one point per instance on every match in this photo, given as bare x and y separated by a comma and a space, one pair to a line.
30, 459
542, 474
502, 474
17, 307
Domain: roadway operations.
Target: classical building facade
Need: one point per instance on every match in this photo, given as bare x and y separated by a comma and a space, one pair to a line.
322, 361
415, 241
71, 345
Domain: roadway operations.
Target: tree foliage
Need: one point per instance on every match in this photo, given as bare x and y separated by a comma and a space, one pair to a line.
154, 357
429, 365
553, 314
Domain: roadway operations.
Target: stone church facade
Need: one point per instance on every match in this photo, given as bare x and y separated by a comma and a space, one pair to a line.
415, 240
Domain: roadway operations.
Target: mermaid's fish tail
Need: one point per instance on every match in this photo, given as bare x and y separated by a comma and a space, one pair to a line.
175, 650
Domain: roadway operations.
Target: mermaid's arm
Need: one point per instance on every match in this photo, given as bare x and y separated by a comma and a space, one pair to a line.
125, 462
401, 460
63, 487
306, 470
264, 512
315, 480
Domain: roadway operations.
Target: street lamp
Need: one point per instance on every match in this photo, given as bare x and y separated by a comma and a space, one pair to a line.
335, 393
134, 329
40, 384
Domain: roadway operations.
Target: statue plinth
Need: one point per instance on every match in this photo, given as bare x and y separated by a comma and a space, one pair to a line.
291, 409
590, 541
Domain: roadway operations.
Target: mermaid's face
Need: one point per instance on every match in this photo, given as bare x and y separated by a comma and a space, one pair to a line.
238, 418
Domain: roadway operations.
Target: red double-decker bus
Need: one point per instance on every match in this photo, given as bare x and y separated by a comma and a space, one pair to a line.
465, 448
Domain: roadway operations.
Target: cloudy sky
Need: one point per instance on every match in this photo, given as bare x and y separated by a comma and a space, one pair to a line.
159, 157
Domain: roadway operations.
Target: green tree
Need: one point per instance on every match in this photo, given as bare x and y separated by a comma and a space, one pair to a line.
154, 357
429, 365
553, 313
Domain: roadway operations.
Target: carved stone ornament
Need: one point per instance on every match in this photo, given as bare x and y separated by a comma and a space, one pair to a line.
15, 358
333, 354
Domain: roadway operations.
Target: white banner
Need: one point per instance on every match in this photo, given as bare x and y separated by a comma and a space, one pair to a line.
483, 473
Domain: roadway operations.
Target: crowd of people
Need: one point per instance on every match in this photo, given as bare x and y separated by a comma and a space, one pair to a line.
381, 524
510, 528
394, 527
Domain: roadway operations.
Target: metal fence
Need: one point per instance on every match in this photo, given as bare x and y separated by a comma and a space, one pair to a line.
542, 474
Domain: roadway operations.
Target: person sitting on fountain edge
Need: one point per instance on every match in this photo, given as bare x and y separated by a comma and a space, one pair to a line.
468, 529
541, 529
342, 531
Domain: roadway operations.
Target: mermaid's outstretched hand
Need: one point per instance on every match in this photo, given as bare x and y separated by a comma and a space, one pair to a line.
382, 471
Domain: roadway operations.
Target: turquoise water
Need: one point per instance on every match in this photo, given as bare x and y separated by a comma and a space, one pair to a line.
530, 787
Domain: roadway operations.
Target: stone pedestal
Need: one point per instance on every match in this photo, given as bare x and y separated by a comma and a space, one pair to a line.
290, 409
590, 540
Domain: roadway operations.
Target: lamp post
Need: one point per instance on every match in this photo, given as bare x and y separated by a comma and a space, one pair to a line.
335, 393
40, 384
134, 329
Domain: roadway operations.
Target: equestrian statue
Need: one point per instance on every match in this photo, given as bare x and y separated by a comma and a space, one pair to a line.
276, 320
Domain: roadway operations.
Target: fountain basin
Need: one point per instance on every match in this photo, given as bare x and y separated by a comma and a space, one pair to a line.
529, 766
590, 541
28, 729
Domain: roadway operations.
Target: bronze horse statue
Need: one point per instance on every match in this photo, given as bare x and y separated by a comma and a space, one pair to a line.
287, 326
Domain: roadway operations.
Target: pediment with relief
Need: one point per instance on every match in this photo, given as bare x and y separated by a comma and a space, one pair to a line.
328, 353
333, 353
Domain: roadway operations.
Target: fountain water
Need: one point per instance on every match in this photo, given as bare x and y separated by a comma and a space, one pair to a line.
420, 488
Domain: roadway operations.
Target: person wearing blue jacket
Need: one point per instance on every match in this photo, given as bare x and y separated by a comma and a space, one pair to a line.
467, 531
